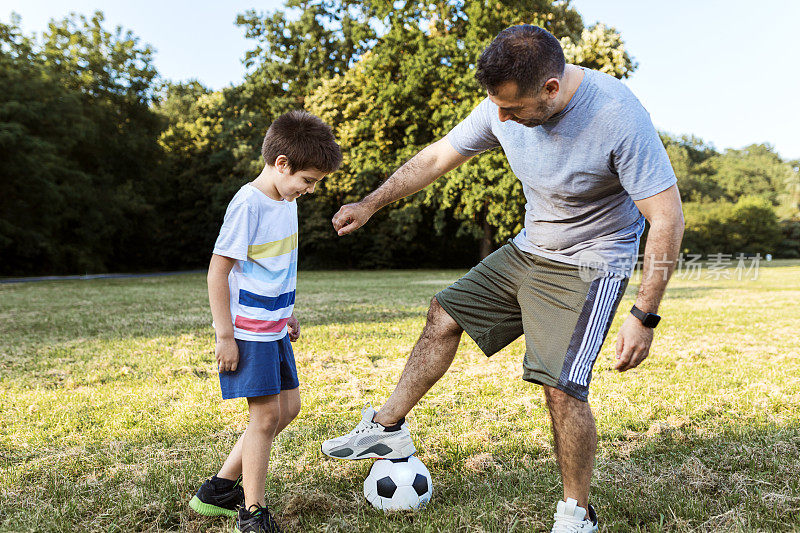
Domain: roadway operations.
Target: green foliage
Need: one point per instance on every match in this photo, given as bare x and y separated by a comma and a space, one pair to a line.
790, 245
103, 163
738, 200
600, 48
413, 86
212, 147
79, 151
754, 170
293, 55
706, 175
748, 226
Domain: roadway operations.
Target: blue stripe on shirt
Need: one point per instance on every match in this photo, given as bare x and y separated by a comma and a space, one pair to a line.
260, 273
270, 303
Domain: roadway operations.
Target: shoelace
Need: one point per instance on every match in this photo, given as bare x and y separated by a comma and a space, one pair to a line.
265, 517
269, 522
566, 524
364, 426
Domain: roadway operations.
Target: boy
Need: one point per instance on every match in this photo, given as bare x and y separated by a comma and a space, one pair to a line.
251, 289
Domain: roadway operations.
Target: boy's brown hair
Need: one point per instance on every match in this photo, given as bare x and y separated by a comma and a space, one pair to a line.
305, 140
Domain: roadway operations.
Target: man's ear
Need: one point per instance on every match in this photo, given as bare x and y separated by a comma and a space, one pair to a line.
552, 87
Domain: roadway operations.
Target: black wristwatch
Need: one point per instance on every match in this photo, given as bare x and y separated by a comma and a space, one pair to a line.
649, 320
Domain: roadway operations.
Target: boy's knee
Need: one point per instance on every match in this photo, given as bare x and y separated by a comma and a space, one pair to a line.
291, 414
294, 410
266, 422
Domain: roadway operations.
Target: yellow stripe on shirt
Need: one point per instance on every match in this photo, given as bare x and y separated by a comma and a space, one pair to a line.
272, 249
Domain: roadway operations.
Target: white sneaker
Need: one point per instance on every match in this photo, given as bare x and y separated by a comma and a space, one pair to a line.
370, 440
570, 518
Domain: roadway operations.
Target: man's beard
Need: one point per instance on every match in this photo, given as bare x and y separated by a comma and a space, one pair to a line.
534, 122
531, 123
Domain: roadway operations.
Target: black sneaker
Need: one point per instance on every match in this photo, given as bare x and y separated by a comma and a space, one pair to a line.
218, 497
256, 521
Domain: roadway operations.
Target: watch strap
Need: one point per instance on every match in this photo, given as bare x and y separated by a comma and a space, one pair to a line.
649, 320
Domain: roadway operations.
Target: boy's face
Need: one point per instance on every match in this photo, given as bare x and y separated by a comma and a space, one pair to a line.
292, 185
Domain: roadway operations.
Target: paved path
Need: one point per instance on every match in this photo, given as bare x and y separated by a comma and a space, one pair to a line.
97, 276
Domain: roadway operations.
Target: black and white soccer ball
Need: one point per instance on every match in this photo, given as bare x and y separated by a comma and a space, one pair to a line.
398, 484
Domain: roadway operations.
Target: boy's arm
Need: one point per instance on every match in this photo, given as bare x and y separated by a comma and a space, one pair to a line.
417, 173
219, 298
294, 328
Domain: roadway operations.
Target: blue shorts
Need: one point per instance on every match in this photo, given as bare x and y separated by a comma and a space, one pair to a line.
264, 368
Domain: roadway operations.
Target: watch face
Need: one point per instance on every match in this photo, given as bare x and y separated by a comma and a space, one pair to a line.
651, 320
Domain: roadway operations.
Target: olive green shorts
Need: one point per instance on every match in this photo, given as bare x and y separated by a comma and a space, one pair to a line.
563, 311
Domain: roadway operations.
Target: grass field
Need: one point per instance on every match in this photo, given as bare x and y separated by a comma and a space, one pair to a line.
110, 412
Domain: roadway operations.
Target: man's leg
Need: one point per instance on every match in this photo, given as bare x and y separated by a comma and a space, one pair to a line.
429, 360
575, 439
484, 303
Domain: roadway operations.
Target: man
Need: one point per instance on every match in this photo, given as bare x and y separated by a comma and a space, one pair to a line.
592, 168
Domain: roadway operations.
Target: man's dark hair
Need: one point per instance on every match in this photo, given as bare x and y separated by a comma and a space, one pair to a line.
525, 54
305, 140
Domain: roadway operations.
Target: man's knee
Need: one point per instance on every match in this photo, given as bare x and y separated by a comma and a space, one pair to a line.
441, 321
560, 401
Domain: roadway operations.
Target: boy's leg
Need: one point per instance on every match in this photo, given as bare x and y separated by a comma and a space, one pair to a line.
232, 467
290, 408
265, 416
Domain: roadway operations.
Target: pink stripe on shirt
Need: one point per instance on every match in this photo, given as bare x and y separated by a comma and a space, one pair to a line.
260, 326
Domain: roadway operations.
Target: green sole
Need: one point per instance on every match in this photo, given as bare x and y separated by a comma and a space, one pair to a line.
206, 509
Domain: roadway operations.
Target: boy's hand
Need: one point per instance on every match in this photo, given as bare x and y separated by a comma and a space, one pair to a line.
294, 328
227, 355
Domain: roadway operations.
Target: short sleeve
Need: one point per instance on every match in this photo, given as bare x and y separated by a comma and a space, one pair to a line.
234, 236
474, 135
640, 159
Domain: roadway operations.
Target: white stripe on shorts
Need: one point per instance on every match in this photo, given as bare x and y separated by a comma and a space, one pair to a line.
607, 291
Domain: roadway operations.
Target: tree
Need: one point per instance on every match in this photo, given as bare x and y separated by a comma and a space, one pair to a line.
293, 56
113, 76
416, 83
696, 182
600, 48
754, 170
39, 120
748, 226
790, 199
80, 157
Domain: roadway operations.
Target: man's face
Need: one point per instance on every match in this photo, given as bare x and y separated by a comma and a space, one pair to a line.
530, 110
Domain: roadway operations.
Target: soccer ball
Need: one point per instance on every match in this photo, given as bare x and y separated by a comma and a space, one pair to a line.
398, 484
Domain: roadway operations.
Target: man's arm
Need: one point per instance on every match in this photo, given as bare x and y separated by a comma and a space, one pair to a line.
665, 215
417, 173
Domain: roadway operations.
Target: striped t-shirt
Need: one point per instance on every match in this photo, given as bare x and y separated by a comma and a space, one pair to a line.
261, 234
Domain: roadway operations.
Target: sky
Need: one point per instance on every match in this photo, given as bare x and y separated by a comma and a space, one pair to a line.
723, 70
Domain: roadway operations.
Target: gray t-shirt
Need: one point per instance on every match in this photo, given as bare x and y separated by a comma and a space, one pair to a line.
580, 172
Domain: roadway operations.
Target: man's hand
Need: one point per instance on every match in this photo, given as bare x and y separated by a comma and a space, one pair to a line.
350, 217
633, 344
294, 328
227, 355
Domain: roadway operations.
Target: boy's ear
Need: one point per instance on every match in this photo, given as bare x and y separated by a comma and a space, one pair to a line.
282, 164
